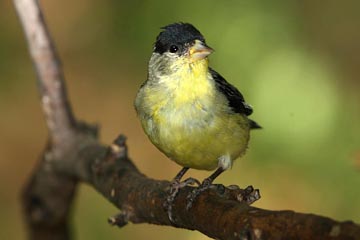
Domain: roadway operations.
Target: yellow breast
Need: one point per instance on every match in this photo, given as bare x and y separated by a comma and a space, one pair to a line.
188, 120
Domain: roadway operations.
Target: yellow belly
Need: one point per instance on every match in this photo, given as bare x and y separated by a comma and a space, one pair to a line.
198, 139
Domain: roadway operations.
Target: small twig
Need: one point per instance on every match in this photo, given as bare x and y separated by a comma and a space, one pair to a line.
120, 220
118, 148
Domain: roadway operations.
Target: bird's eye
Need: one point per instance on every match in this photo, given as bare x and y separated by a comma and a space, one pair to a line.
173, 48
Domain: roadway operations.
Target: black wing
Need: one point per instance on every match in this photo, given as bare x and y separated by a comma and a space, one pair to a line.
235, 98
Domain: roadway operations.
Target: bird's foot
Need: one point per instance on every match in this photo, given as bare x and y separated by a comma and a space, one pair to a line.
175, 187
206, 184
248, 195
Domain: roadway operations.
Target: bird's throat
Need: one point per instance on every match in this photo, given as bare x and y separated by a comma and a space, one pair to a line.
191, 82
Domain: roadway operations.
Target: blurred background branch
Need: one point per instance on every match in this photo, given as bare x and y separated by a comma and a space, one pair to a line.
59, 118
296, 60
47, 196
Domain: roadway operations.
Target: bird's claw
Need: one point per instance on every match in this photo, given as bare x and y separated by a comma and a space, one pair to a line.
206, 184
175, 187
248, 195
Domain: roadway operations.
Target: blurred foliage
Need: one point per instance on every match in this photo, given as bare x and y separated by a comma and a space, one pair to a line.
296, 62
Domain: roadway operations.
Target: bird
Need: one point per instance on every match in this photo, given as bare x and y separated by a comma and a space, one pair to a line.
189, 111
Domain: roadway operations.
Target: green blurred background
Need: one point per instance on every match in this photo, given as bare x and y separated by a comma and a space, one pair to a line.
296, 62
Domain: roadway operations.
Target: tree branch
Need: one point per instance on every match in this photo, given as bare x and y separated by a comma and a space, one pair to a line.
47, 197
74, 154
57, 110
216, 213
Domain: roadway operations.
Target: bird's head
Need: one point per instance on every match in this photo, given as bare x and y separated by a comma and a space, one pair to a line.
179, 44
183, 40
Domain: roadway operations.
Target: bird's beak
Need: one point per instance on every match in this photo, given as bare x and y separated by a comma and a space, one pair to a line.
199, 51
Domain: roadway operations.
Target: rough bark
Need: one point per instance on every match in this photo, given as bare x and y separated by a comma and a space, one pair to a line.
74, 155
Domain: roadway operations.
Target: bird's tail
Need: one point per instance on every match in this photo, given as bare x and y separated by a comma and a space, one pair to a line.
254, 125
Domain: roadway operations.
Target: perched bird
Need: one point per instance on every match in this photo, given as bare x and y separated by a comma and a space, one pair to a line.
188, 110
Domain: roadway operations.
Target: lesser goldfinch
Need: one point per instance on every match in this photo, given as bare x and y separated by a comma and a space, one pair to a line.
188, 110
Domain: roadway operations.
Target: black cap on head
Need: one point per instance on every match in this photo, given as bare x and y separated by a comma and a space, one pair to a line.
176, 34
